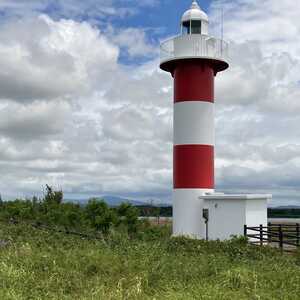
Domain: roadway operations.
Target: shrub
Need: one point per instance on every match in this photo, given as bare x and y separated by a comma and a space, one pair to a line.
99, 215
53, 197
128, 216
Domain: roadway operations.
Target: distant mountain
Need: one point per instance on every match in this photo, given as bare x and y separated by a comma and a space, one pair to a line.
110, 200
116, 201
286, 207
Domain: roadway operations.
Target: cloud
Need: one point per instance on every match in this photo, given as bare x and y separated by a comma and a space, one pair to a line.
268, 83
33, 121
274, 25
73, 115
82, 123
134, 41
44, 59
94, 11
257, 108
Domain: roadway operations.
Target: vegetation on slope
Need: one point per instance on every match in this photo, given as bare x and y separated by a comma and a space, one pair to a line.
51, 210
130, 259
37, 264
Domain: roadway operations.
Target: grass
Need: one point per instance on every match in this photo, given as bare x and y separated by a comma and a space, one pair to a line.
37, 264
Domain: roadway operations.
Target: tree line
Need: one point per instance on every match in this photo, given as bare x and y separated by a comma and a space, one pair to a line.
51, 210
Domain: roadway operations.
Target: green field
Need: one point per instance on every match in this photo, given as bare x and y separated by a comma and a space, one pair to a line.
37, 264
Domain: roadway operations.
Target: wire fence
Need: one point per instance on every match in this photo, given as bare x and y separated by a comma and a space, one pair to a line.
95, 235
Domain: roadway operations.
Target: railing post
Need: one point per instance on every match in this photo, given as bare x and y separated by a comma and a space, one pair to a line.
261, 234
245, 230
297, 229
280, 237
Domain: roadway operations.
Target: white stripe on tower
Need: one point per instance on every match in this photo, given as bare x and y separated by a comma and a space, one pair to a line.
194, 123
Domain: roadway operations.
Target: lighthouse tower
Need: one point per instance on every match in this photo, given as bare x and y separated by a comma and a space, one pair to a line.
194, 59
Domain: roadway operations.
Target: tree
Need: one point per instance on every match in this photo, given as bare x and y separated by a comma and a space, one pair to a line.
99, 215
71, 215
49, 208
128, 215
53, 197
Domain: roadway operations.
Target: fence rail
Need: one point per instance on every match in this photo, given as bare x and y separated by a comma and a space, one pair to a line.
96, 235
285, 236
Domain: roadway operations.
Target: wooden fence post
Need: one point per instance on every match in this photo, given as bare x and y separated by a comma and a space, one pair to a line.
261, 234
297, 229
280, 237
245, 230
269, 232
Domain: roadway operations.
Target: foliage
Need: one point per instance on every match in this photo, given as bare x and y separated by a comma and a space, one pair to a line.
128, 216
51, 210
283, 213
52, 197
99, 215
154, 211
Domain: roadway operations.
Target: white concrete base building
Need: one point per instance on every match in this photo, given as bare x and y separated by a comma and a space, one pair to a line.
229, 213
226, 214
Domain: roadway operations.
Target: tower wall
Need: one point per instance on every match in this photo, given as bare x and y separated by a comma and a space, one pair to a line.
193, 156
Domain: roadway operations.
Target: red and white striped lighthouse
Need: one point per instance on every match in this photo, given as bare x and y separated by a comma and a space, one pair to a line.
193, 58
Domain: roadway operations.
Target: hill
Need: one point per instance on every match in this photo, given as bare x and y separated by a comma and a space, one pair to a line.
110, 200
287, 207
116, 201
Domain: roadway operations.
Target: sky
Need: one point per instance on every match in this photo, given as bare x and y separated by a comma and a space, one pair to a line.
85, 108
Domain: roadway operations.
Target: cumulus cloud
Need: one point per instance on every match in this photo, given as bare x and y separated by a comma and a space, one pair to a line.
274, 25
33, 121
134, 41
257, 99
71, 115
44, 59
74, 116
94, 11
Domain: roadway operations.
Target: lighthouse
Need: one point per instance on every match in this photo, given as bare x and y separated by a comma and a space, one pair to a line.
194, 58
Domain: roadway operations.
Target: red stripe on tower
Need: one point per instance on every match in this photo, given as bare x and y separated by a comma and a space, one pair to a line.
193, 167
193, 81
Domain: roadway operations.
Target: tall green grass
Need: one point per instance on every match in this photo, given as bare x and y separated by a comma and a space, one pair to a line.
36, 264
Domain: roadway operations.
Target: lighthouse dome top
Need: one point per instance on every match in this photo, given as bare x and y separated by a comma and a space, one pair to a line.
194, 13
194, 43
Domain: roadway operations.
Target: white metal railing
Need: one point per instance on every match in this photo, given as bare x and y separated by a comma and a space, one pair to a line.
193, 45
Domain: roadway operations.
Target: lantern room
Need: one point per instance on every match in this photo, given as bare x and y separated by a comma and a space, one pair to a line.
194, 21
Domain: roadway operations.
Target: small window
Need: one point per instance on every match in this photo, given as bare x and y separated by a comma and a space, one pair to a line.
186, 27
191, 27
196, 27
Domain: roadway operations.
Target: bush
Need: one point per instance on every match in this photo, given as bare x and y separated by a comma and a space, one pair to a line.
128, 216
17, 210
99, 215
53, 197
149, 232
